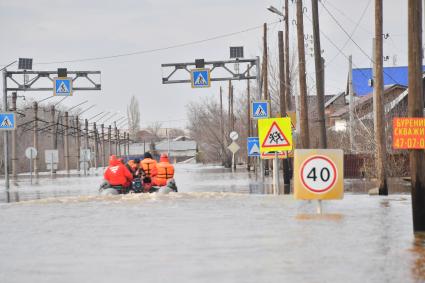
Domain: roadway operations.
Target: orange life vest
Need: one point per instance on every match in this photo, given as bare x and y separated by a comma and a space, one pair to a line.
149, 166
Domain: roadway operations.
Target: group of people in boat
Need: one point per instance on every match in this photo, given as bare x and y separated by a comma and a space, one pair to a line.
150, 172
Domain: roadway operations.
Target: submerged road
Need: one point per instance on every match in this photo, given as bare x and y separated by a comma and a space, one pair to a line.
220, 227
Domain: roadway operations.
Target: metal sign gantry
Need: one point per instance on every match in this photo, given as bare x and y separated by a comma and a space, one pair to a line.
29, 79
214, 65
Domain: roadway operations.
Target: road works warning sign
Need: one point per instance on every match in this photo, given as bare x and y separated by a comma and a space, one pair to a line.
318, 174
409, 133
275, 134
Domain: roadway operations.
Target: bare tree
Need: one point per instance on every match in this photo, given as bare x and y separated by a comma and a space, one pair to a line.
133, 115
154, 129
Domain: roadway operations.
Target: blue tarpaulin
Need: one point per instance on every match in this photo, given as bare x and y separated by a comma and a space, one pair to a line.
392, 75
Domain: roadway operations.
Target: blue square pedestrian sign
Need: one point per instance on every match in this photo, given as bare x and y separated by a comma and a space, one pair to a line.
253, 144
7, 121
260, 109
62, 86
200, 78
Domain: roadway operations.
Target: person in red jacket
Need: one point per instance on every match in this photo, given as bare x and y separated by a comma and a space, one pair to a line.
117, 174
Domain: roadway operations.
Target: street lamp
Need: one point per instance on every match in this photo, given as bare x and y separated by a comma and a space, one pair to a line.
276, 11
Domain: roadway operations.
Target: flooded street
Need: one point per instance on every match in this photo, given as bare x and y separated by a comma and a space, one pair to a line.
220, 227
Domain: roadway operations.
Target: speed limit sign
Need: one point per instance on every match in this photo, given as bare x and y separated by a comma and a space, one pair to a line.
318, 174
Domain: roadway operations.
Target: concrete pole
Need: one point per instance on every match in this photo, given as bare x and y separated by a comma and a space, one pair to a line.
304, 134
415, 108
35, 139
102, 128
116, 139
223, 139
109, 140
78, 136
96, 145
287, 71
66, 143
5, 133
54, 129
378, 99
265, 64
351, 101
128, 143
319, 77
14, 142
248, 115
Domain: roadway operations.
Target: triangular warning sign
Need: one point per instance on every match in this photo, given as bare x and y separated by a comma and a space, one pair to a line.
260, 111
62, 88
254, 149
6, 123
275, 137
200, 80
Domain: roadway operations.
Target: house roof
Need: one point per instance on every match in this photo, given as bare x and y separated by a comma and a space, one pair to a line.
176, 145
359, 101
392, 75
335, 97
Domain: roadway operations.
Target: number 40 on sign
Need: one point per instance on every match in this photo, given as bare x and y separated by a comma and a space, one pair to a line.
318, 174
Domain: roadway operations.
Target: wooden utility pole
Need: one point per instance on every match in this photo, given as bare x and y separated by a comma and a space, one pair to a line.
283, 106
66, 144
232, 113
35, 139
223, 140
265, 64
287, 71
86, 130
78, 136
378, 100
416, 109
319, 76
102, 128
14, 142
304, 132
229, 113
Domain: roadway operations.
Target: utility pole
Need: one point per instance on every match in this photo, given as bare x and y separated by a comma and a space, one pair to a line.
78, 136
304, 132
109, 141
14, 142
96, 145
116, 138
248, 118
54, 129
319, 76
223, 140
351, 101
232, 113
35, 138
102, 128
415, 109
265, 64
283, 106
378, 100
86, 130
287, 77
66, 144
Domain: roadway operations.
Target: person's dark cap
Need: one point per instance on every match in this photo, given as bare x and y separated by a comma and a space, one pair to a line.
147, 155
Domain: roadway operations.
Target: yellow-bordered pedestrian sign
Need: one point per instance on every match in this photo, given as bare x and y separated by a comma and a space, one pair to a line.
200, 78
318, 174
275, 134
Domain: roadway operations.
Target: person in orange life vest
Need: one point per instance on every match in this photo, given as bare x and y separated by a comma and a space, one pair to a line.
133, 167
165, 171
117, 174
148, 165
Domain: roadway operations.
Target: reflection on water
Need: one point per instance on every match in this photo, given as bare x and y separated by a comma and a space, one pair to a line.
418, 267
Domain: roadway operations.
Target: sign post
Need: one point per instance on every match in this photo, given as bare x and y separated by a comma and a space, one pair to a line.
31, 153
7, 123
275, 136
318, 175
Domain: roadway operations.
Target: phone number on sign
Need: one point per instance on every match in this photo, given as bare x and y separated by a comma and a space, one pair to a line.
409, 143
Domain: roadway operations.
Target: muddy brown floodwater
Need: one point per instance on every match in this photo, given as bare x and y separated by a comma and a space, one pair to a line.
220, 227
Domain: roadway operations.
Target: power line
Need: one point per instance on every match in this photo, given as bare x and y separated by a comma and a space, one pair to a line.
157, 49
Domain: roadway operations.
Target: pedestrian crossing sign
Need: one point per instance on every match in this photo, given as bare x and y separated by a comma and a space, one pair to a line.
253, 145
260, 109
275, 134
7, 121
62, 86
200, 78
